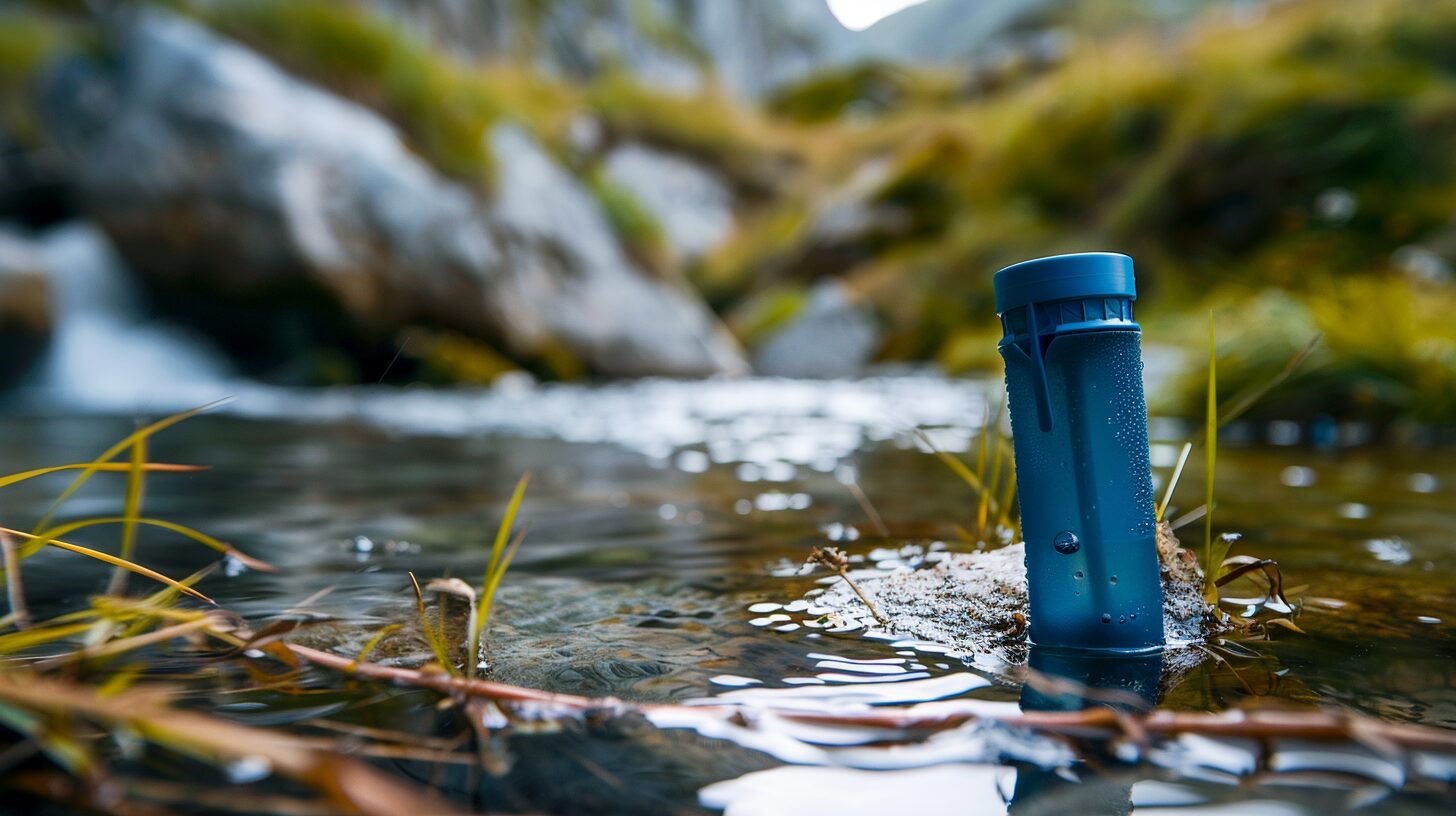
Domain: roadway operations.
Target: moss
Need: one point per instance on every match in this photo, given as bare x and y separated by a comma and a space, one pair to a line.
29, 39
739, 267
449, 357
444, 108
768, 310
1388, 351
869, 89
709, 126
636, 228
445, 105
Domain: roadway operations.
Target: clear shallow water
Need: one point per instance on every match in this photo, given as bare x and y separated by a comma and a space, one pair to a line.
661, 514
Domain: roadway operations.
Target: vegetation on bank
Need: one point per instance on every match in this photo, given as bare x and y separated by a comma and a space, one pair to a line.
1284, 168
1302, 158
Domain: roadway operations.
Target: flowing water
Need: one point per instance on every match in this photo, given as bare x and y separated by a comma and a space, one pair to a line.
668, 525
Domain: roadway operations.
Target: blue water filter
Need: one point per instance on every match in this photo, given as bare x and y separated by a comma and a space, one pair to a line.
1079, 424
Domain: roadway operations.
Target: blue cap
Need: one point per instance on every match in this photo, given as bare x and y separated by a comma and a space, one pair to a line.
1064, 277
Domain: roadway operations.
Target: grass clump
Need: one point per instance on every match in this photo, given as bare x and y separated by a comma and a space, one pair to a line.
709, 126
1386, 352
74, 686
865, 90
20, 545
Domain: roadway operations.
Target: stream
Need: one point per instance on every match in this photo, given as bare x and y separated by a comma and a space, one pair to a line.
668, 522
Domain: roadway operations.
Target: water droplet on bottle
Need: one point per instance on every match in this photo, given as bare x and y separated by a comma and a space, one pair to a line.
1112, 580
1106, 618
1078, 575
1066, 542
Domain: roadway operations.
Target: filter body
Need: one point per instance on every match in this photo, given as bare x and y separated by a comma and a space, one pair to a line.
1079, 427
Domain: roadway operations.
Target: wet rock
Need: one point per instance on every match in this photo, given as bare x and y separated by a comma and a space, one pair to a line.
564, 255
212, 168
976, 602
834, 335
693, 205
25, 311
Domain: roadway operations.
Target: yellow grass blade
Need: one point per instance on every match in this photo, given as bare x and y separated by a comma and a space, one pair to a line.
135, 484
116, 562
104, 467
112, 452
374, 641
39, 636
41, 539
434, 638
956, 465
1173, 480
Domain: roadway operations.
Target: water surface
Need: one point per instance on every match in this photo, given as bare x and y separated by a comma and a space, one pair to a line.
666, 522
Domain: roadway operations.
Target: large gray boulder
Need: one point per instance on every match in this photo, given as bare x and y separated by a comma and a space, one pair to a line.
203, 161
833, 335
694, 206
749, 46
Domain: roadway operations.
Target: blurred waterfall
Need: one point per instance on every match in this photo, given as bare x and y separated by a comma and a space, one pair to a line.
106, 354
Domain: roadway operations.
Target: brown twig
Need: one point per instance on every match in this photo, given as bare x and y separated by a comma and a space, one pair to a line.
451, 685
1270, 723
868, 508
835, 559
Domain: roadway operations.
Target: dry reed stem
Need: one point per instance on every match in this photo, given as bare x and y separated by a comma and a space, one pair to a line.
1311, 724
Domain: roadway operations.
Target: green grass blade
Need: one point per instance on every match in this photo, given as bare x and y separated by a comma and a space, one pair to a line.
503, 533
160, 602
487, 600
981, 504
39, 636
1210, 446
500, 557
